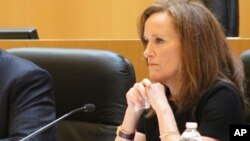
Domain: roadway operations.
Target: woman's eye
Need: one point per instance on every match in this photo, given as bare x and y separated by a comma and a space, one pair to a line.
159, 40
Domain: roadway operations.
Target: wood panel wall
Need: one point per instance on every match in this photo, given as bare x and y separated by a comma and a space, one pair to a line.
131, 49
244, 6
86, 19
74, 19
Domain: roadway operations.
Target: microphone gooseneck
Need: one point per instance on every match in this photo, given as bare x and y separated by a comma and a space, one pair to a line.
86, 108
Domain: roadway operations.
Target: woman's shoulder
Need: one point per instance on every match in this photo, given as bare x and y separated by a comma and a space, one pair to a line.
220, 88
221, 97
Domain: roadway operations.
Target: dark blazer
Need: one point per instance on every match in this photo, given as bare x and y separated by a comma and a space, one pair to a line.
26, 99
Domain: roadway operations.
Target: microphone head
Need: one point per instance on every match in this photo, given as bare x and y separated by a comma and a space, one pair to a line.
89, 107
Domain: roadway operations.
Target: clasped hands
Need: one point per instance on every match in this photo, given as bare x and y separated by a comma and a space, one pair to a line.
145, 94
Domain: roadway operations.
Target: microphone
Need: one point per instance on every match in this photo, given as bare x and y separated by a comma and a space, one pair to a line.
86, 108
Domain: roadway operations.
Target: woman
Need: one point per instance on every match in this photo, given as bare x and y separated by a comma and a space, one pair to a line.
193, 77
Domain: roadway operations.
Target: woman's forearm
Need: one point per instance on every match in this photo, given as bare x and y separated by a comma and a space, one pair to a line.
167, 125
129, 123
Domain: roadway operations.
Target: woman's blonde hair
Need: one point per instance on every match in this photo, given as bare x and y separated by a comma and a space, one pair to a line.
206, 57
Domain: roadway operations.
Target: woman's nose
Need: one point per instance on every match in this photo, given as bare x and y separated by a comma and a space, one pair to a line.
148, 51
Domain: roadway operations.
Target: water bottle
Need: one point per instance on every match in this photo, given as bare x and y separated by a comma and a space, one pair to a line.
191, 133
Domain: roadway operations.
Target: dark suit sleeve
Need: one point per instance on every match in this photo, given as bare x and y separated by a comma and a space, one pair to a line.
31, 106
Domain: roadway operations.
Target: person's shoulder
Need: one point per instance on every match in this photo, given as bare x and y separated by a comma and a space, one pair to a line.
221, 90
221, 85
14, 66
220, 97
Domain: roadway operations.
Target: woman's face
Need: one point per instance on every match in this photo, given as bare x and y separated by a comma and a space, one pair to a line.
163, 49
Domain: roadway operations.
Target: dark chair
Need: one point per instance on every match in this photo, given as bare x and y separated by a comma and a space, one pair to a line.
84, 76
245, 58
227, 13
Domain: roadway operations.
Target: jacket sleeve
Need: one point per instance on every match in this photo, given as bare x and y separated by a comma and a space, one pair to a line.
32, 106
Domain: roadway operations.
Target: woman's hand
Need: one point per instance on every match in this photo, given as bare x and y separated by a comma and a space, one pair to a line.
137, 98
157, 97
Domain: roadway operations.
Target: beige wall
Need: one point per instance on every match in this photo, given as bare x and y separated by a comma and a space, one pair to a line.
86, 19
244, 6
131, 49
74, 18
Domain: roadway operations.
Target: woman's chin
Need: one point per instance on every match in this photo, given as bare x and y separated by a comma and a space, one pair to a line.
155, 78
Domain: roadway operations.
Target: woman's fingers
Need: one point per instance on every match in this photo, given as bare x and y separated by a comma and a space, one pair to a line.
146, 82
137, 95
140, 88
157, 97
135, 98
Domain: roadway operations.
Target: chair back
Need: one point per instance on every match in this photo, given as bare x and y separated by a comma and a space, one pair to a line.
245, 58
83, 76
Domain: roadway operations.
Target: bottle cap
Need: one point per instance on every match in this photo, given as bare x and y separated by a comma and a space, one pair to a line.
191, 125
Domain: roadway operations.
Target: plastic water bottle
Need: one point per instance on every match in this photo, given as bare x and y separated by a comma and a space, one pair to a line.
191, 133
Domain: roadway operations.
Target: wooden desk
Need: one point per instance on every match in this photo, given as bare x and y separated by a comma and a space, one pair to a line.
131, 49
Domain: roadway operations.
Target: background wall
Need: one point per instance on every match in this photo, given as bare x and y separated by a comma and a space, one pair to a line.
86, 19
131, 49
244, 6
74, 19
